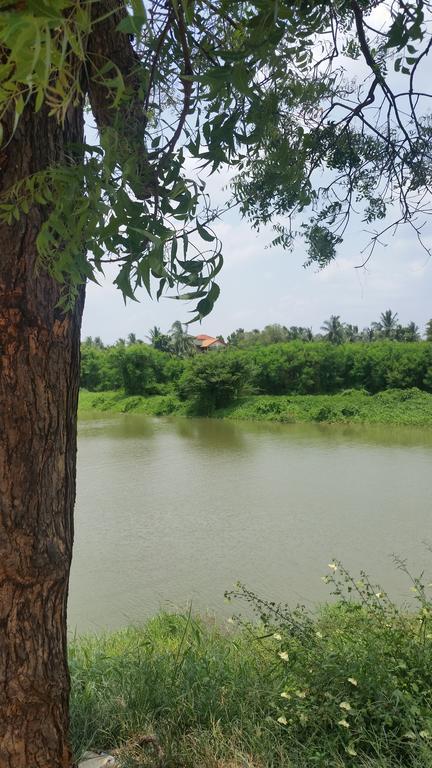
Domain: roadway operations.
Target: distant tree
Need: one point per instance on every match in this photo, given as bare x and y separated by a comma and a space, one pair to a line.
298, 333
159, 340
368, 334
236, 337
410, 332
98, 342
274, 334
182, 344
429, 330
388, 323
351, 332
214, 381
333, 330
131, 339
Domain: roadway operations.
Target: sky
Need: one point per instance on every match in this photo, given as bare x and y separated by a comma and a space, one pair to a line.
262, 285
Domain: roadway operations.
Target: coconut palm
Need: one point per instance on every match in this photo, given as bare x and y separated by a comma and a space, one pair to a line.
410, 332
181, 343
351, 332
334, 330
388, 323
159, 340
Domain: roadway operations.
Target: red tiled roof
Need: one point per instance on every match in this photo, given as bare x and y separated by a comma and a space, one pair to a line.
203, 337
209, 341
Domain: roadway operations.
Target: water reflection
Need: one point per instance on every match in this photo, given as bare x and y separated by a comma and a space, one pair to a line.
170, 510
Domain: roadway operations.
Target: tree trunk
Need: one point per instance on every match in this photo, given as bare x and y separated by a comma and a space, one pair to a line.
39, 379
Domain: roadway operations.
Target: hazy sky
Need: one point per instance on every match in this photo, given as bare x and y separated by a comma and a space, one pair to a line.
261, 285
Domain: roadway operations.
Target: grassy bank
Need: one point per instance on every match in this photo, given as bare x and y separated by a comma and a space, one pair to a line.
393, 406
349, 687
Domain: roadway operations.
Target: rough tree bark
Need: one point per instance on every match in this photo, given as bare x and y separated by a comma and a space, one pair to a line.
39, 379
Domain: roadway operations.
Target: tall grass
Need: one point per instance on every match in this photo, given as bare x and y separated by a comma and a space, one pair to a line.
350, 686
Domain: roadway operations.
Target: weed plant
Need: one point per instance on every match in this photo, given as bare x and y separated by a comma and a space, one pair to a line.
348, 686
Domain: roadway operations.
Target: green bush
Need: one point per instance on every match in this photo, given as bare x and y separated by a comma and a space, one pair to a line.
279, 369
214, 380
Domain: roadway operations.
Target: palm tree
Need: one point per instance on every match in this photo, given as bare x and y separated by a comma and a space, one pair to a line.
159, 340
181, 343
411, 332
334, 330
388, 323
351, 332
368, 333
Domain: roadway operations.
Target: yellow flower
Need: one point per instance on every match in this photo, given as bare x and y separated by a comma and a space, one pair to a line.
345, 705
343, 723
277, 636
282, 720
285, 695
352, 680
284, 656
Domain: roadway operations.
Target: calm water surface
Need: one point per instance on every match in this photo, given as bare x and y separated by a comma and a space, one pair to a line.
176, 510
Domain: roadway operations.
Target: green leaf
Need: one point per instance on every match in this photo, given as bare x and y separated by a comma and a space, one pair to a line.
204, 233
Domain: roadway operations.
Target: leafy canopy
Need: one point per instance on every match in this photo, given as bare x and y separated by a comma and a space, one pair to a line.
317, 105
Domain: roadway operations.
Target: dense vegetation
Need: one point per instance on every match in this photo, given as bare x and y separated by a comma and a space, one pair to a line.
215, 379
408, 407
349, 687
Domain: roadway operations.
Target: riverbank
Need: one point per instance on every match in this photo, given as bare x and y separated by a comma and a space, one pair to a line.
410, 407
349, 687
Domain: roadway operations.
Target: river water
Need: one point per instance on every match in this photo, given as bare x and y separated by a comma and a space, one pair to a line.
173, 511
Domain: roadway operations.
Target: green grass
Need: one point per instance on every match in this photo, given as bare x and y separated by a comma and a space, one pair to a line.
394, 406
118, 402
356, 679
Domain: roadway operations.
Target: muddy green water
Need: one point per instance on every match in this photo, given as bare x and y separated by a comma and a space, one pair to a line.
174, 510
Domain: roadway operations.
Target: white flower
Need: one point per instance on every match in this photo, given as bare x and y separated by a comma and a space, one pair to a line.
285, 695
333, 566
352, 680
424, 735
343, 723
301, 694
282, 720
345, 705
351, 751
277, 636
319, 635
284, 656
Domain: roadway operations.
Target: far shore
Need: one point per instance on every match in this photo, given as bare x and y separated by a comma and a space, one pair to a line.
409, 407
